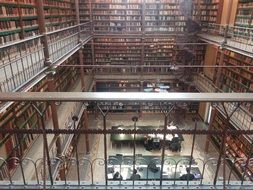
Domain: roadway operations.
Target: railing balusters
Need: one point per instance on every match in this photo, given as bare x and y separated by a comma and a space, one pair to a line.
24, 53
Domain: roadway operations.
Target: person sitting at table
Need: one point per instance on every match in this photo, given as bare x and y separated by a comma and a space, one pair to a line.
156, 143
135, 175
117, 176
148, 143
152, 167
187, 176
175, 144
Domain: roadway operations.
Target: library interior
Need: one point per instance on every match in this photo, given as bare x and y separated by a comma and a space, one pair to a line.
126, 94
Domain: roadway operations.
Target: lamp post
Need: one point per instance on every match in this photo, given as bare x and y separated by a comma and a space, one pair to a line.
75, 119
134, 119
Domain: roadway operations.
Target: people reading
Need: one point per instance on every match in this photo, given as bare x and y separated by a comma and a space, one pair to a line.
187, 176
135, 175
117, 176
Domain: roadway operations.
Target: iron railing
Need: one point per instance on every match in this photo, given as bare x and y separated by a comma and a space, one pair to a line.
22, 60
242, 117
88, 169
240, 38
93, 171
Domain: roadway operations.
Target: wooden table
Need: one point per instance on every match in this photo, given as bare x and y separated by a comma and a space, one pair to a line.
169, 170
141, 137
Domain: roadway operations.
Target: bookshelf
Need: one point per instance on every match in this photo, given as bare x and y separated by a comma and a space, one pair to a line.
21, 116
164, 16
149, 51
24, 116
158, 51
84, 10
134, 16
233, 79
59, 14
117, 51
208, 11
236, 146
244, 16
19, 20
65, 76
87, 52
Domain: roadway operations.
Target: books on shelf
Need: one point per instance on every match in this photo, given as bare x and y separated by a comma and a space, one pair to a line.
244, 13
234, 79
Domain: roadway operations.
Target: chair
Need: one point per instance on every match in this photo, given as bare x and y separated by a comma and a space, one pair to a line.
152, 167
156, 143
175, 144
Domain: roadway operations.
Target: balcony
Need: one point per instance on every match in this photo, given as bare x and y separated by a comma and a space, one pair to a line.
23, 61
234, 38
78, 168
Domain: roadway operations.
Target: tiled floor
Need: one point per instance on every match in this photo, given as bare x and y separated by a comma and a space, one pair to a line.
97, 144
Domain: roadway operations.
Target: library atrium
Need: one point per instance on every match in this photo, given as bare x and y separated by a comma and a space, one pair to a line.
126, 94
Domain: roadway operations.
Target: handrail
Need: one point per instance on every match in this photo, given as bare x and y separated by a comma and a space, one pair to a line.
20, 41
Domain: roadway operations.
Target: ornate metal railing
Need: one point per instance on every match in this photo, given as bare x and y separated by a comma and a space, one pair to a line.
86, 169
92, 170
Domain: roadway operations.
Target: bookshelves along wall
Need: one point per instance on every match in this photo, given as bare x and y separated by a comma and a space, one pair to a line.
21, 116
19, 19
59, 14
117, 16
158, 51
236, 146
244, 16
233, 79
87, 52
25, 116
117, 51
84, 10
164, 16
209, 11
134, 16
65, 76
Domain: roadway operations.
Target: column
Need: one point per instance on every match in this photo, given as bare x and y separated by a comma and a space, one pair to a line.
86, 126
208, 137
42, 30
51, 88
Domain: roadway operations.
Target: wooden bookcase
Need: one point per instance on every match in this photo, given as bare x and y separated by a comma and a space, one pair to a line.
244, 16
84, 10
236, 146
158, 51
233, 79
24, 115
59, 14
87, 52
208, 11
135, 16
117, 51
164, 16
19, 19
129, 51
